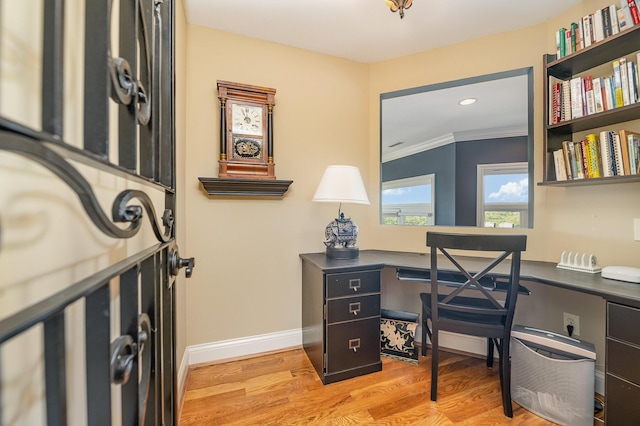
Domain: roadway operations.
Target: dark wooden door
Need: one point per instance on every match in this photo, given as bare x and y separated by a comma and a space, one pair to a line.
97, 124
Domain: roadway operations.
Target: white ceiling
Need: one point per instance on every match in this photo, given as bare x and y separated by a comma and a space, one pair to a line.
366, 30
427, 119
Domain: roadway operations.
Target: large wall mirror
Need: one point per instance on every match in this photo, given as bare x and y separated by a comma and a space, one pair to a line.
459, 153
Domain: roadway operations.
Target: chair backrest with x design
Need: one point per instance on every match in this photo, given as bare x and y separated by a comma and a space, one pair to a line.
480, 318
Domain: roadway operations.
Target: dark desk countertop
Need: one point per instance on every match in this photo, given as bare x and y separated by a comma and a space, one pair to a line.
530, 270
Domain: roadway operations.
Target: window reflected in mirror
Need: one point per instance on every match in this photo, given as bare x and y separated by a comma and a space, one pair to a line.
409, 201
503, 194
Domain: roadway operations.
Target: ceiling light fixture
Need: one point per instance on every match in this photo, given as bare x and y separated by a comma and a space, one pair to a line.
468, 101
399, 5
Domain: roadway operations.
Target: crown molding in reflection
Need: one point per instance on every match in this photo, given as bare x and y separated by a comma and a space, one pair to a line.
470, 135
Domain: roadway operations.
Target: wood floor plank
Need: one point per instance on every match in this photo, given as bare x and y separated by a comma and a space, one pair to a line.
284, 389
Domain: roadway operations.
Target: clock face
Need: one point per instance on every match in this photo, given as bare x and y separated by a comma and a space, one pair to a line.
246, 119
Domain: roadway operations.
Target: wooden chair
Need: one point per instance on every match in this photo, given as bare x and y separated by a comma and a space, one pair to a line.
482, 316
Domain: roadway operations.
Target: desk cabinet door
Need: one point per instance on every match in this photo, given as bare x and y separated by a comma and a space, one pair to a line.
353, 344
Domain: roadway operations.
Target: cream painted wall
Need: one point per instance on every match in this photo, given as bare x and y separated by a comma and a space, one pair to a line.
247, 278
247, 281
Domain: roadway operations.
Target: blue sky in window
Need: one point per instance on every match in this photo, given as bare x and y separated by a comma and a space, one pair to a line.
506, 188
407, 195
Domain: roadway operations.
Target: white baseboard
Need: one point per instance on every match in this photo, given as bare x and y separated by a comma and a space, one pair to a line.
233, 348
460, 342
183, 380
599, 384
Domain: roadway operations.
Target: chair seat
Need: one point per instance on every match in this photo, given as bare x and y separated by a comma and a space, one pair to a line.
463, 316
483, 322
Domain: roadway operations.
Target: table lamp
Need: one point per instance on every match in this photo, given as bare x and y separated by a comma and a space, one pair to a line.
341, 184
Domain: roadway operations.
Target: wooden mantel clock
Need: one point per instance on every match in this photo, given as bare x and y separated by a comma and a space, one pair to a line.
246, 131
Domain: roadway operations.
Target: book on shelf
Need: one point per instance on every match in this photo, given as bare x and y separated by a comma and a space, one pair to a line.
605, 155
561, 43
628, 151
615, 25
598, 26
606, 22
566, 100
559, 165
583, 157
580, 162
586, 30
632, 74
633, 8
612, 152
576, 42
634, 153
589, 95
576, 98
568, 46
617, 153
555, 113
569, 161
625, 21
593, 155
597, 95
624, 79
617, 85
608, 93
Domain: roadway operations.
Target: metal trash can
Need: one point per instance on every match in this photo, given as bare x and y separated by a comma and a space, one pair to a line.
553, 375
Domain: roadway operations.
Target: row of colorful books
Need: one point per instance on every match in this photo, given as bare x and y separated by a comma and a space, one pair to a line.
597, 26
582, 96
609, 153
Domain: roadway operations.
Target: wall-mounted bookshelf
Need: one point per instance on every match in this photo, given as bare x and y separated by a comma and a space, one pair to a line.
593, 62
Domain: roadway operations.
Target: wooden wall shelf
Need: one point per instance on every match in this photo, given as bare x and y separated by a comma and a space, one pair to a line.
244, 187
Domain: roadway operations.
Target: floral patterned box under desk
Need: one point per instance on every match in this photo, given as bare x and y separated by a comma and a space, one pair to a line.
397, 334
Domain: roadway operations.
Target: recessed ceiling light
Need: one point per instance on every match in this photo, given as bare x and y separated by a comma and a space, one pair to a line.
467, 101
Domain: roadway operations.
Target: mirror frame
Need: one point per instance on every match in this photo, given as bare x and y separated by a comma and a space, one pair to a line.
528, 72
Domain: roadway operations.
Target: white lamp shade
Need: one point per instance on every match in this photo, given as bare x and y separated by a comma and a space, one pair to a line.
341, 184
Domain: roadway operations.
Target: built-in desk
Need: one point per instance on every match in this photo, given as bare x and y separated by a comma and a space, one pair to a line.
530, 270
622, 382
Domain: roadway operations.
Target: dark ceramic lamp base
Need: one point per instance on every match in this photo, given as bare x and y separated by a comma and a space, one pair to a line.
343, 252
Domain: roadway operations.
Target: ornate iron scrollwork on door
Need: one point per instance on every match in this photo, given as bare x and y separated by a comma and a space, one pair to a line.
124, 351
122, 211
126, 88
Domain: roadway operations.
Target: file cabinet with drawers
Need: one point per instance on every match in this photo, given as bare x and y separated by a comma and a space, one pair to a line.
340, 316
622, 381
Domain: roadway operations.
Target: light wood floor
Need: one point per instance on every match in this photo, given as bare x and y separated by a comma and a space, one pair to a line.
283, 389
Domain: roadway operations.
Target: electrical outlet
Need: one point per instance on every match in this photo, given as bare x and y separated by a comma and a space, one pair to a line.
574, 320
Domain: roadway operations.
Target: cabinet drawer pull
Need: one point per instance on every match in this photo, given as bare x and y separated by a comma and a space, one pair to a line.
354, 308
354, 284
354, 344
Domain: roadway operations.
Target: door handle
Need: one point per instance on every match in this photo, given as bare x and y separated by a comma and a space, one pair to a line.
176, 262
